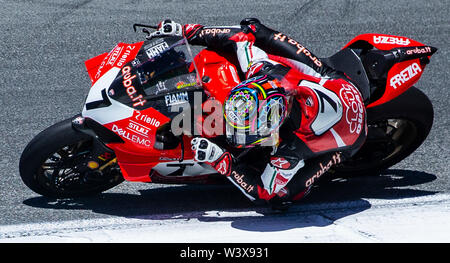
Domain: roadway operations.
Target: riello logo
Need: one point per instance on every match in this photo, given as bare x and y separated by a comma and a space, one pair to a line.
405, 75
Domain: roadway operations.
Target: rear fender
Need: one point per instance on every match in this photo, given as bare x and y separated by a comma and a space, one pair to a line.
382, 41
411, 59
401, 77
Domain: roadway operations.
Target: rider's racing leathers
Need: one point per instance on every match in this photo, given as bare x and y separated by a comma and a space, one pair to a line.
327, 123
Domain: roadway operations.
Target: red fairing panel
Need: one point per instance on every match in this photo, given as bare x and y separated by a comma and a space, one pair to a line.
117, 57
92, 66
400, 78
139, 130
219, 77
137, 156
402, 75
385, 42
222, 75
137, 167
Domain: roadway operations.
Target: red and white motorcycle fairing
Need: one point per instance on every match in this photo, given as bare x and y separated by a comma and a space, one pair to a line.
137, 156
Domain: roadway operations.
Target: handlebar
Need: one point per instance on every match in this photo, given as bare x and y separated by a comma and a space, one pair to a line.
135, 26
170, 29
144, 29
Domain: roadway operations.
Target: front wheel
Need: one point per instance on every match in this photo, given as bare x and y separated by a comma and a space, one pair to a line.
395, 130
58, 163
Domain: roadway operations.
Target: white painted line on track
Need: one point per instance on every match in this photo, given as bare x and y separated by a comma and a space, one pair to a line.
418, 219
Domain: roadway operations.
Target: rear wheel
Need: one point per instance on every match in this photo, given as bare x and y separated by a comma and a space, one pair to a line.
59, 163
395, 130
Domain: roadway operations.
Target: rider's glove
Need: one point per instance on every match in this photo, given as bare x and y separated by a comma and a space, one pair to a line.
206, 151
168, 28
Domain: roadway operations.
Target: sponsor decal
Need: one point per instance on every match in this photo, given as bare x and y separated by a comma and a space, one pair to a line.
130, 89
182, 85
418, 50
354, 107
147, 119
160, 86
335, 159
214, 31
141, 123
131, 137
114, 55
300, 49
391, 40
138, 128
280, 162
125, 55
156, 50
176, 98
405, 75
239, 179
99, 70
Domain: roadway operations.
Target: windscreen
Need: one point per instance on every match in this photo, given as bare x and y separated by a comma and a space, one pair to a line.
170, 67
162, 66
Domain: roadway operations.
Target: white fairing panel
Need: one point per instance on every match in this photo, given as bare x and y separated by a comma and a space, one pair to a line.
116, 111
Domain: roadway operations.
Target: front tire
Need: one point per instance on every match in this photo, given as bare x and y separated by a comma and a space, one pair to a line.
55, 164
396, 129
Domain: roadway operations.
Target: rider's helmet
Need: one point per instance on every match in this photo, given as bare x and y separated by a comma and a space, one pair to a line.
253, 111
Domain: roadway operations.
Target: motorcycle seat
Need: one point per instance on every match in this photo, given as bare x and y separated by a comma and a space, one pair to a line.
348, 61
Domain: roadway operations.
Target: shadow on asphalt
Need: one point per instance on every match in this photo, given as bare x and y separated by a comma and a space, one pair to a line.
200, 201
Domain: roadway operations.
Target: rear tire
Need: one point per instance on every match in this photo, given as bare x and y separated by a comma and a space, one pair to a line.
54, 164
396, 129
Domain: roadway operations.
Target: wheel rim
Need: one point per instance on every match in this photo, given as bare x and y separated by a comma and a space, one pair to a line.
66, 173
386, 141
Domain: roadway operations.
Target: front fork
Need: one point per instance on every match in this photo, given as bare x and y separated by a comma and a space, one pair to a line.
100, 154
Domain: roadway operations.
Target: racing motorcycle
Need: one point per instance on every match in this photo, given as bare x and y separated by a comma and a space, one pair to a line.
124, 131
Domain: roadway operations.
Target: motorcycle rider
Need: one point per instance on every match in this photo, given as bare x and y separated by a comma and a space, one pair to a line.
325, 126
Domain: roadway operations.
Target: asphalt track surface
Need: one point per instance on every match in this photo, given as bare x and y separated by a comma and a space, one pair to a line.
42, 80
